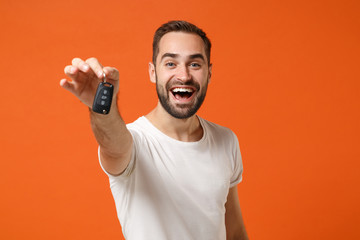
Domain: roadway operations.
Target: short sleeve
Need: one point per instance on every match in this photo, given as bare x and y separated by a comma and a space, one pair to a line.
237, 163
128, 169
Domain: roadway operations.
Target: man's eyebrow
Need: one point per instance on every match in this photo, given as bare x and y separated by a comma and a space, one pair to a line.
175, 55
197, 55
171, 55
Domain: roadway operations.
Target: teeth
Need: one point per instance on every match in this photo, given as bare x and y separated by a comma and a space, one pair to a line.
182, 90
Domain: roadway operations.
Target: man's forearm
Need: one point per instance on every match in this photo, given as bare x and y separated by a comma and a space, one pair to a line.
113, 137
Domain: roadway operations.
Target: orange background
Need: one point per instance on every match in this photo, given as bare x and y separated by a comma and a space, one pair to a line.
285, 80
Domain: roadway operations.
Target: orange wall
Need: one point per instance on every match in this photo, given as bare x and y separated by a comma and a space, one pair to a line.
285, 79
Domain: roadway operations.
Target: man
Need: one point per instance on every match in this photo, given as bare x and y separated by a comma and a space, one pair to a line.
173, 175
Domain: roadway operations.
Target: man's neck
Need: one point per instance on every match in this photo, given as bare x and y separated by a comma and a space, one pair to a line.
186, 130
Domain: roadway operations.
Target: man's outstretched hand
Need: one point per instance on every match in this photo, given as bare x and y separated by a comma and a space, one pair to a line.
110, 131
85, 77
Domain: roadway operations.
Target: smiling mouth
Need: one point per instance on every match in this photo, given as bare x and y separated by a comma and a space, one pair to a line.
182, 93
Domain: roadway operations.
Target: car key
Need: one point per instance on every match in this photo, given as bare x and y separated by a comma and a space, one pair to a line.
103, 97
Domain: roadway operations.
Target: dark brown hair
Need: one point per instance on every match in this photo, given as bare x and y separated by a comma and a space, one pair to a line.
179, 26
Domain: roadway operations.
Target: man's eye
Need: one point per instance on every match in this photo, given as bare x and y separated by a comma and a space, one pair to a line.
195, 65
170, 64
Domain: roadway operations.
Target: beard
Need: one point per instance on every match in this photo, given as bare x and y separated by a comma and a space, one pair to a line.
181, 111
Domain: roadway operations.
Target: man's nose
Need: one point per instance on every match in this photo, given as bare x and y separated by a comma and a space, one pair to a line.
183, 73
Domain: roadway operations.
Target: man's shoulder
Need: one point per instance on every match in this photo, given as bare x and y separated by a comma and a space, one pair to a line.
138, 127
216, 129
137, 123
214, 126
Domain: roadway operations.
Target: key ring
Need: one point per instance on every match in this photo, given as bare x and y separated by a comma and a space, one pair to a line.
104, 79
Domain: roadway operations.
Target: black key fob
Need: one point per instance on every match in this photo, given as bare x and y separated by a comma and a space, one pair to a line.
103, 98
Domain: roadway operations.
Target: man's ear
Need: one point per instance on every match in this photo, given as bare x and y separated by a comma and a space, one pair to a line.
152, 73
210, 72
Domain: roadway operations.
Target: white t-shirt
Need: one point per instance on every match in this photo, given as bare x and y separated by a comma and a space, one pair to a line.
176, 190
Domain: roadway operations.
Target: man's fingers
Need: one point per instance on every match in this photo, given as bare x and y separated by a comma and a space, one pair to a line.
71, 71
95, 66
85, 77
81, 72
67, 85
80, 64
111, 73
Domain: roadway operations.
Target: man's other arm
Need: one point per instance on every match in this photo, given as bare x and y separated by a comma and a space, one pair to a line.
235, 228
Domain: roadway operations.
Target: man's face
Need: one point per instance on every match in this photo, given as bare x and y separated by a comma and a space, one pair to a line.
182, 73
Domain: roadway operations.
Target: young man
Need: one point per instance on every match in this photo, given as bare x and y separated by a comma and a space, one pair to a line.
173, 175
